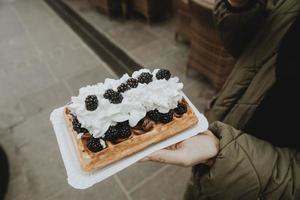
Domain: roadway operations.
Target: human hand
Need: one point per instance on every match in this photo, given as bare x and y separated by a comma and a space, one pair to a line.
201, 148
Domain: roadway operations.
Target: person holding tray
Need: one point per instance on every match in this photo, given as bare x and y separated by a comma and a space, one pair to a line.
251, 150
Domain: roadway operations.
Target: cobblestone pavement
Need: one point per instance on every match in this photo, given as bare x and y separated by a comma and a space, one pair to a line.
42, 63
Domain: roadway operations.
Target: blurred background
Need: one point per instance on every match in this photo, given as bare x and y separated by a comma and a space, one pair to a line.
49, 49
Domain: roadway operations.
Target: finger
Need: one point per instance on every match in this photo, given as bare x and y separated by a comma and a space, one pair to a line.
167, 156
174, 146
207, 132
144, 159
178, 145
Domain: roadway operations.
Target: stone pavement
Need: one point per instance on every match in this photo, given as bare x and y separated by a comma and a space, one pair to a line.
42, 63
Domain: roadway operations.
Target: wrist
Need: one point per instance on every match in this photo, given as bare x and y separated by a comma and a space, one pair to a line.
210, 162
214, 149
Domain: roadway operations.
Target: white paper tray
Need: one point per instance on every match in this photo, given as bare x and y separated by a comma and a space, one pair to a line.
79, 179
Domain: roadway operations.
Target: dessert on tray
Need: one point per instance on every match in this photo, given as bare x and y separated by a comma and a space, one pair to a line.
115, 119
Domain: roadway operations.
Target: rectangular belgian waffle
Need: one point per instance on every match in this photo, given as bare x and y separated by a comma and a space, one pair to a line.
91, 161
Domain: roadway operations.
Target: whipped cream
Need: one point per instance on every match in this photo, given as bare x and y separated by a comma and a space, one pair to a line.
158, 94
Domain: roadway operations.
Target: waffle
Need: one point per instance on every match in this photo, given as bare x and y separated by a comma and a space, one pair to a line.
138, 140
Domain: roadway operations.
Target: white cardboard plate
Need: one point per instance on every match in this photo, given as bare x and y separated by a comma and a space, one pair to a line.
79, 179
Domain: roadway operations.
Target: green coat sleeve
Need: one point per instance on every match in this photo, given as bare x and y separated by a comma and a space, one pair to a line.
249, 168
237, 26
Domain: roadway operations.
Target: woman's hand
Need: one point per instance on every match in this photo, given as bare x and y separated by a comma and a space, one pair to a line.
201, 148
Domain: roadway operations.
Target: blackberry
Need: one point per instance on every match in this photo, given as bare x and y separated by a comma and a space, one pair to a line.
141, 122
76, 125
94, 145
108, 93
123, 130
166, 117
180, 109
123, 87
132, 82
125, 123
154, 115
120, 131
111, 134
91, 102
163, 74
116, 98
145, 77
113, 96
84, 130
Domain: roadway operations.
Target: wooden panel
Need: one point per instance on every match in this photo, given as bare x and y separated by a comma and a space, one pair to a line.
207, 53
151, 8
184, 19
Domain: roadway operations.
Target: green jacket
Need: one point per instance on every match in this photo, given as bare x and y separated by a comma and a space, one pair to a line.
246, 167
